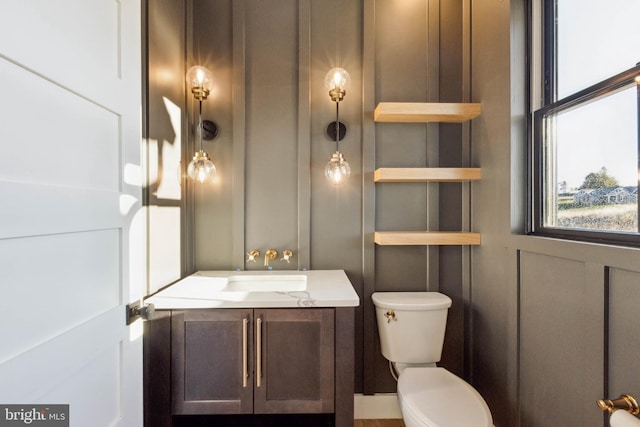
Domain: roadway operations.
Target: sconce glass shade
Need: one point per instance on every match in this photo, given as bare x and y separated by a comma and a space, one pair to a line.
200, 81
201, 168
337, 81
338, 169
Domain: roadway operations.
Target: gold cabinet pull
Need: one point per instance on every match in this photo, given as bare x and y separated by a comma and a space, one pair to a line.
245, 367
258, 351
625, 402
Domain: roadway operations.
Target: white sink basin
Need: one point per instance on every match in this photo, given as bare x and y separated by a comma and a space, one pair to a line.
252, 289
263, 283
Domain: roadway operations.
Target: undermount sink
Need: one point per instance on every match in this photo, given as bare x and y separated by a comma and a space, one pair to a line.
263, 283
254, 289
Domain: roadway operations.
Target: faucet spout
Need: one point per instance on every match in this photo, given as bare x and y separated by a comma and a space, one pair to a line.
270, 254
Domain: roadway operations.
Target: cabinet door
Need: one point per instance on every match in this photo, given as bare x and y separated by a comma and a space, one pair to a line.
212, 362
294, 370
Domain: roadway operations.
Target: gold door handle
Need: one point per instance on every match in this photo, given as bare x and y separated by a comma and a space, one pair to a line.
245, 367
625, 402
259, 352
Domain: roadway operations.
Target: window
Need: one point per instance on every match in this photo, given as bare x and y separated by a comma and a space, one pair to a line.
585, 124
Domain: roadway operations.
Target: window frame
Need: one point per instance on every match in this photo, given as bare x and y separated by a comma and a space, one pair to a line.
550, 105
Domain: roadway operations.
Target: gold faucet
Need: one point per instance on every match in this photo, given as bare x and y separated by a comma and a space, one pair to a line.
269, 254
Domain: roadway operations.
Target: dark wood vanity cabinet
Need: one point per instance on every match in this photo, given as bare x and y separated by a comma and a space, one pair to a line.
252, 361
249, 361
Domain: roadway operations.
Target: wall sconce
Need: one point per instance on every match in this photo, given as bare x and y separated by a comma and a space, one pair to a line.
338, 169
201, 168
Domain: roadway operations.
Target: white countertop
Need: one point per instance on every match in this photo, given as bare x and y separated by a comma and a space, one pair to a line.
205, 289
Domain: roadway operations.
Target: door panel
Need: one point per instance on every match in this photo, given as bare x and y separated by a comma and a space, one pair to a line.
37, 271
72, 138
74, 43
71, 225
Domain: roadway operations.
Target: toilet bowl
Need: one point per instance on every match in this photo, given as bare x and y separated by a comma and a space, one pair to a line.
411, 327
434, 397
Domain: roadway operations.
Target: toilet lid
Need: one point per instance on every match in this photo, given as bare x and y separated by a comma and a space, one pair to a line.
435, 397
410, 301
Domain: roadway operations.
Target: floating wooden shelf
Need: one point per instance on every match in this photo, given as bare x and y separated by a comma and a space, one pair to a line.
418, 238
423, 112
426, 174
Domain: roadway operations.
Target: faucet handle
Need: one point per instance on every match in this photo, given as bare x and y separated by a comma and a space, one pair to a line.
252, 255
287, 254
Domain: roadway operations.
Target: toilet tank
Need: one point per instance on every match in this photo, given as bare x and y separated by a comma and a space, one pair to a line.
411, 325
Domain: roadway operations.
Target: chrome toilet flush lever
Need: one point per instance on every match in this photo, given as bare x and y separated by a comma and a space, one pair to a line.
390, 315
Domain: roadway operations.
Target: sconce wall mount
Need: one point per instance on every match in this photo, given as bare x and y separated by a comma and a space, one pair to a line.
338, 132
209, 130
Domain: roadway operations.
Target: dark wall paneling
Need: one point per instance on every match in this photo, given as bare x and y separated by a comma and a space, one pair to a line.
401, 67
211, 36
272, 109
369, 331
493, 283
271, 219
336, 226
561, 331
624, 340
552, 321
404, 58
453, 152
336, 211
269, 59
165, 91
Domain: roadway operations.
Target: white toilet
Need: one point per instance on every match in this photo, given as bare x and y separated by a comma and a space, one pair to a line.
411, 327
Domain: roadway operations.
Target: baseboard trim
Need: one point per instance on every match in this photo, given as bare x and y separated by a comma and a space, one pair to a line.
377, 406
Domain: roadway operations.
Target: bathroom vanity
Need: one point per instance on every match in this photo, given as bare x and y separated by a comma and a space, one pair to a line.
236, 347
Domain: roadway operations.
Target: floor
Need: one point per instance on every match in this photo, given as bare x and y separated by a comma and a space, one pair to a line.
378, 423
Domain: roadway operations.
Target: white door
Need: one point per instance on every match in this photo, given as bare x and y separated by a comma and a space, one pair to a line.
71, 225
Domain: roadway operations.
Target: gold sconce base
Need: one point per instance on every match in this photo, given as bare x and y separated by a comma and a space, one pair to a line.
337, 95
200, 93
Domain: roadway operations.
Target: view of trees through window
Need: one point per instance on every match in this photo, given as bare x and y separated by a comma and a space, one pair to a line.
587, 128
593, 181
600, 203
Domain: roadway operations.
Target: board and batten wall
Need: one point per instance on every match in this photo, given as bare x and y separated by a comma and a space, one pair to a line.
554, 323
542, 328
269, 59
